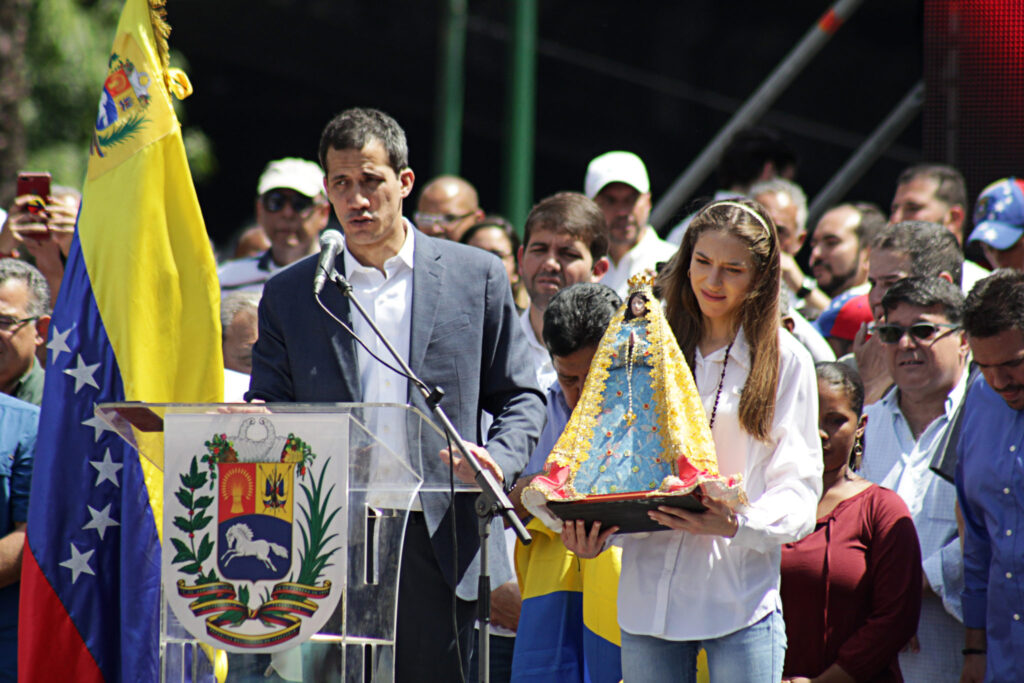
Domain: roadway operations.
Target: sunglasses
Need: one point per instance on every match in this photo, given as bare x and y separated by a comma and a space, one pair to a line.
275, 200
891, 334
421, 218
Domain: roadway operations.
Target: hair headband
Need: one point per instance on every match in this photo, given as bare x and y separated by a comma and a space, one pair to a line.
755, 214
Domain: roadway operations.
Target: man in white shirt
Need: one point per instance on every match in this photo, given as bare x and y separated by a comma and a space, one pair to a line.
448, 308
926, 354
292, 210
564, 242
618, 183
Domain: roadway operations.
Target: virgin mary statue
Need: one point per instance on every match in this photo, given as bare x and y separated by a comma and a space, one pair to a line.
639, 428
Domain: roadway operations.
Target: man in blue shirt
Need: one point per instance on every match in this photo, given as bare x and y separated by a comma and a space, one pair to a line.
19, 422
990, 482
552, 643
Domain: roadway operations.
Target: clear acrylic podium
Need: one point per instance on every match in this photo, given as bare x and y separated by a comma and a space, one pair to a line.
379, 472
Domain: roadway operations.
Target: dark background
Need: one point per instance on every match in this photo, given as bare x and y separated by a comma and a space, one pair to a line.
654, 77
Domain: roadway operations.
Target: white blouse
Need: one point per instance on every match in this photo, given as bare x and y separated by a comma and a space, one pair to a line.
681, 586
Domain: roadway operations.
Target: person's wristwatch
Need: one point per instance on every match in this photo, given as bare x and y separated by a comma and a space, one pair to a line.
806, 287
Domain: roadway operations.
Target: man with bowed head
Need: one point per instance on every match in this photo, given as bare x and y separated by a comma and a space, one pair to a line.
447, 308
990, 481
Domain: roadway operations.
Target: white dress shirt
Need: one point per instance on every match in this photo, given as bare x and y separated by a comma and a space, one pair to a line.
895, 460
546, 374
643, 256
235, 385
387, 298
680, 586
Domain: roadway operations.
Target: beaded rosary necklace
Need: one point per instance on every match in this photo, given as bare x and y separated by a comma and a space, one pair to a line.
721, 382
630, 416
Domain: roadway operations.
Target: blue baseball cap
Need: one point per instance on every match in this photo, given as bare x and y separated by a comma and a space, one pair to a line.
999, 214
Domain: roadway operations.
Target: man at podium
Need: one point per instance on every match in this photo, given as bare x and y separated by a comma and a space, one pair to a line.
448, 310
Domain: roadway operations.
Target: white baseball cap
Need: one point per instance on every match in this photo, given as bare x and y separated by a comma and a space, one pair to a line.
305, 177
616, 167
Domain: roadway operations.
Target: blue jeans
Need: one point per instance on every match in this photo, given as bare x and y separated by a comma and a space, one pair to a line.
753, 654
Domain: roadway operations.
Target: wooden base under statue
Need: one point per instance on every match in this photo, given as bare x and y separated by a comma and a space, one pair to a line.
628, 511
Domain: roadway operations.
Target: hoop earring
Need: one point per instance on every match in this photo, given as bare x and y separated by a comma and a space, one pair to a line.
858, 453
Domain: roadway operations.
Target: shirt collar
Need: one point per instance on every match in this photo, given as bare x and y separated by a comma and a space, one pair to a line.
531, 338
739, 353
403, 257
557, 397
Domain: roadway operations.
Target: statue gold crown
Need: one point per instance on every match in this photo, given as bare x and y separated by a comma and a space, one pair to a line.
640, 281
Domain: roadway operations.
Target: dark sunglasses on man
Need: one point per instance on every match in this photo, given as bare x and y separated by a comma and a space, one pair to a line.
923, 331
275, 200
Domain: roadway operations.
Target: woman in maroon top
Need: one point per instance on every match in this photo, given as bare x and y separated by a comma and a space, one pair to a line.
851, 590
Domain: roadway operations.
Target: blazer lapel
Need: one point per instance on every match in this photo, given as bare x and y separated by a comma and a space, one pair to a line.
426, 290
341, 341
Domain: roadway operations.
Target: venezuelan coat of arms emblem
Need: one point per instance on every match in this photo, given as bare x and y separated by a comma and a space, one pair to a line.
255, 527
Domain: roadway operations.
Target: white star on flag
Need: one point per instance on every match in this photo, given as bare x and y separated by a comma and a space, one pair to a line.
99, 425
59, 342
78, 563
107, 470
100, 520
83, 374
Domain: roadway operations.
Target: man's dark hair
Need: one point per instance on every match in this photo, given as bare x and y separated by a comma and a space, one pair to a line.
995, 304
841, 376
577, 317
38, 290
926, 292
357, 127
951, 187
932, 249
574, 214
746, 154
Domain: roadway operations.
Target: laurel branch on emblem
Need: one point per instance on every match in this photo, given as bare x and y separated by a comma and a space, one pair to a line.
225, 603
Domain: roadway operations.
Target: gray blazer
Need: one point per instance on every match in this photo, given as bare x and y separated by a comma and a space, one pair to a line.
465, 338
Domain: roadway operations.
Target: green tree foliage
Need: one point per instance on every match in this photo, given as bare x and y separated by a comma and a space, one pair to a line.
66, 63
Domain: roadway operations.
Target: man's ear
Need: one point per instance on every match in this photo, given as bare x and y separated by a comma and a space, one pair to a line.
946, 276
955, 220
601, 267
406, 179
799, 239
42, 329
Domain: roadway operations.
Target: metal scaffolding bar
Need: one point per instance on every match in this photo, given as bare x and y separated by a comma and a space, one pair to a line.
755, 106
867, 153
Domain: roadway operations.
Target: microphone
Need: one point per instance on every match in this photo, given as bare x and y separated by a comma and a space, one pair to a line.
331, 244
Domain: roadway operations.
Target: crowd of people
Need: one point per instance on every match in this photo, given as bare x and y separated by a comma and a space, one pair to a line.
870, 404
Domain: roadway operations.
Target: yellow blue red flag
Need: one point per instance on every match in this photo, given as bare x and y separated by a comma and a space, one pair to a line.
568, 627
136, 319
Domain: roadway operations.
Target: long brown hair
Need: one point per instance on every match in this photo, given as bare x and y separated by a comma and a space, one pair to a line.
758, 313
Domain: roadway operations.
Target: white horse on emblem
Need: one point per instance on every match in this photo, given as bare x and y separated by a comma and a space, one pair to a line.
242, 544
